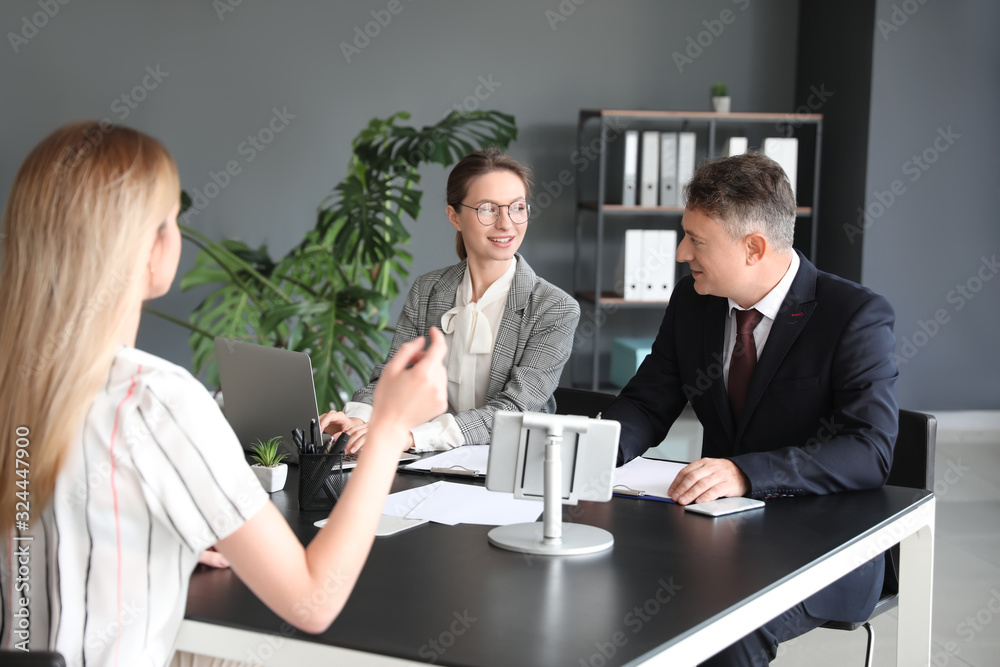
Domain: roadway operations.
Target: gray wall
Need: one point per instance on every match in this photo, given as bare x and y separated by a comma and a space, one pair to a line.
932, 246
224, 76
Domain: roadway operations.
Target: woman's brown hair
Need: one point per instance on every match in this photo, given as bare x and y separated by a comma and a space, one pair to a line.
471, 167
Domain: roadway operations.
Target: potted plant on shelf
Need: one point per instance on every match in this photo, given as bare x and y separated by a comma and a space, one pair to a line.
330, 294
720, 98
268, 466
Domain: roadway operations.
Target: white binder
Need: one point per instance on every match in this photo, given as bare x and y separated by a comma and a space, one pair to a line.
649, 265
628, 275
659, 260
668, 169
736, 146
631, 166
685, 162
784, 151
649, 175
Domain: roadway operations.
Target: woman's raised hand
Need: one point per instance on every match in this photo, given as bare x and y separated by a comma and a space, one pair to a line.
413, 388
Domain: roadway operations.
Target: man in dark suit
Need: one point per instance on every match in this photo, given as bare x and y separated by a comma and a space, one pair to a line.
789, 370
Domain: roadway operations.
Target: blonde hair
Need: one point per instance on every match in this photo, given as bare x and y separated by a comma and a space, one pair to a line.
78, 228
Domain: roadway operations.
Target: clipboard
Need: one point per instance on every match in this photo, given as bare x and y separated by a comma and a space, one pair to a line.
466, 461
646, 479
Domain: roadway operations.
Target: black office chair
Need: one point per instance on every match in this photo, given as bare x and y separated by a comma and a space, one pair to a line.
33, 659
581, 401
912, 467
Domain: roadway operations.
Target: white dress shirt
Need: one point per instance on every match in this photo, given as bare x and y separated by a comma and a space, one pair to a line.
469, 331
768, 307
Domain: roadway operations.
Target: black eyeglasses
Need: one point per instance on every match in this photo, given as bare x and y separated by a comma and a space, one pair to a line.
489, 212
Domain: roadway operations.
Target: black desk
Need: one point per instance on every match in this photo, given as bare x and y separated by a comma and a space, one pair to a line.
674, 588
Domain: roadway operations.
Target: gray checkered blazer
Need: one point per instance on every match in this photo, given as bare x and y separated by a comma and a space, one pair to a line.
531, 347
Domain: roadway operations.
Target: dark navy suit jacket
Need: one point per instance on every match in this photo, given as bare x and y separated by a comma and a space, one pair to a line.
820, 416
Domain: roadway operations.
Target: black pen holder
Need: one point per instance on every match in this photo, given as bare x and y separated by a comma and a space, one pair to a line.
321, 480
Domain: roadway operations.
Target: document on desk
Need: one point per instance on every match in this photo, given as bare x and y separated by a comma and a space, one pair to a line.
454, 503
646, 478
469, 460
450, 503
402, 503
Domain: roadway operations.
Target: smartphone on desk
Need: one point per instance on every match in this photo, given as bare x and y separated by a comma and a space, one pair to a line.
723, 506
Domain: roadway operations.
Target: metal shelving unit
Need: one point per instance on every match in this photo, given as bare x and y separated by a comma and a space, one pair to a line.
602, 212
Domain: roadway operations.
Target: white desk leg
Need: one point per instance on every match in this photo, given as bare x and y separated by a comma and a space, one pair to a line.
916, 579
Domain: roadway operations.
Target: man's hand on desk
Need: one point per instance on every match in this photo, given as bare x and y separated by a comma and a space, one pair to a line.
708, 479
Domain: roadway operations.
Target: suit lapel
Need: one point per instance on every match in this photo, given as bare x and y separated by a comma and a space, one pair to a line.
505, 339
442, 297
714, 337
795, 312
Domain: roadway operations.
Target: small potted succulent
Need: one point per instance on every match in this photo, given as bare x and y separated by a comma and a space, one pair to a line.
267, 464
720, 98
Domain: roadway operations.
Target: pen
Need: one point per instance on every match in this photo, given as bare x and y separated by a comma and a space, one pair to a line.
341, 444
314, 437
298, 439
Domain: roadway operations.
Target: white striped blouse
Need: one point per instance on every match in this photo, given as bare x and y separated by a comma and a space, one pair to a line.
156, 476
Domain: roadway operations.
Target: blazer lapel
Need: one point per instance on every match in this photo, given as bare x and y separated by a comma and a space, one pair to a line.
442, 297
714, 358
505, 339
795, 312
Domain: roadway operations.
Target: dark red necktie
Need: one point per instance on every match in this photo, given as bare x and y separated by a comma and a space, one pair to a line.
743, 361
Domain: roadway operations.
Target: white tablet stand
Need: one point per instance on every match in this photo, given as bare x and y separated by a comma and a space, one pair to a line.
550, 537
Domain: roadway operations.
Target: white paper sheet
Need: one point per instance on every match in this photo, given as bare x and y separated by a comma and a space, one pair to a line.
469, 457
453, 503
402, 503
652, 476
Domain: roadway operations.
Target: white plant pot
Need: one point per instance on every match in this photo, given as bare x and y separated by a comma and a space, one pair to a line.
721, 104
272, 479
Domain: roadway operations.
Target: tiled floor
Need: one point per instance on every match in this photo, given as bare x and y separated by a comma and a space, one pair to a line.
966, 617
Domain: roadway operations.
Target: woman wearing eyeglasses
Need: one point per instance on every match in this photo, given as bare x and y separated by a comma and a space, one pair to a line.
509, 332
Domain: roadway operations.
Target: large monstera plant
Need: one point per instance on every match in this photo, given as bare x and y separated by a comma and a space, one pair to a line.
329, 296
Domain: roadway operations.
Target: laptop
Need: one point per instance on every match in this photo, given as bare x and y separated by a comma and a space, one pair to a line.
269, 391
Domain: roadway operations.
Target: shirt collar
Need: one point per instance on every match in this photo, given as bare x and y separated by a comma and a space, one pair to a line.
500, 286
771, 303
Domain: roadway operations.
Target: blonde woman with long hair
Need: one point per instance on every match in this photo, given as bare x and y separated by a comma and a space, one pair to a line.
117, 470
